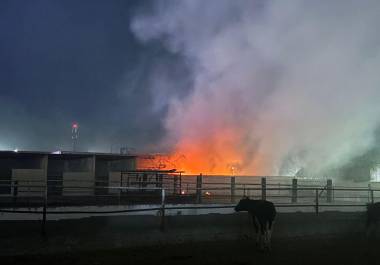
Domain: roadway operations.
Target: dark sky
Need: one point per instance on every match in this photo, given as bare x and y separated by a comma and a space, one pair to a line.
265, 69
65, 61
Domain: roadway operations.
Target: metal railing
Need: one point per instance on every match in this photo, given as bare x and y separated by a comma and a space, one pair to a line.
205, 197
281, 196
196, 190
45, 211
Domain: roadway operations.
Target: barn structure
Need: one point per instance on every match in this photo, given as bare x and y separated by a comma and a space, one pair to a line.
78, 174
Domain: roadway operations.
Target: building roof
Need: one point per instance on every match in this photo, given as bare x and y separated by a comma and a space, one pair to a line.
21, 153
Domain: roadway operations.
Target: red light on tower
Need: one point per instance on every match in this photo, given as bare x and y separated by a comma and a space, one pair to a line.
74, 134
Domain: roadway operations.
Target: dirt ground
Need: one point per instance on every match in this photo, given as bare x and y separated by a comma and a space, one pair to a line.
296, 252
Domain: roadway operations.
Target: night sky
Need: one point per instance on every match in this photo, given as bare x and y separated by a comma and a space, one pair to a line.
66, 61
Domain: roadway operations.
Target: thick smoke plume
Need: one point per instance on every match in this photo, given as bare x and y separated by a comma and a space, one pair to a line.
278, 85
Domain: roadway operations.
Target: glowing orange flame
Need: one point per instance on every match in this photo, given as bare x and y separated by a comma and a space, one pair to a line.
214, 154
210, 155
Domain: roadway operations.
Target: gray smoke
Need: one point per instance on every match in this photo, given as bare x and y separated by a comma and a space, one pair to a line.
296, 81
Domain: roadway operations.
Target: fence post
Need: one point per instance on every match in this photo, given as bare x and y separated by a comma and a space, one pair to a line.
180, 183
156, 180
294, 190
232, 189
175, 184
199, 188
263, 188
329, 189
317, 201
162, 224
369, 192
43, 225
15, 190
370, 198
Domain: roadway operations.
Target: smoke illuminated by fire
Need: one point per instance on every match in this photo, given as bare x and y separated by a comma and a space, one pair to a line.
274, 82
215, 154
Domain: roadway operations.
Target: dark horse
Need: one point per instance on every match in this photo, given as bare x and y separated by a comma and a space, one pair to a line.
373, 216
263, 213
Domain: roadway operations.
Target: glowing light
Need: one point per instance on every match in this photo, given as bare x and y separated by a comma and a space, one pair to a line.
183, 192
216, 154
208, 193
212, 154
16, 150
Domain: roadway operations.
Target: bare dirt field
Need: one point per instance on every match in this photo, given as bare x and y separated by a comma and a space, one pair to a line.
296, 251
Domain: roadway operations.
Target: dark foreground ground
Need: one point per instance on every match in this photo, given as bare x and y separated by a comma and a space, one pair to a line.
311, 250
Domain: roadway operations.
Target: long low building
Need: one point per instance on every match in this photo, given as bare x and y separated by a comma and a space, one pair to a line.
64, 172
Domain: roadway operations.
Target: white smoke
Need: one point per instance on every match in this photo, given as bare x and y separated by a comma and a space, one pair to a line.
294, 79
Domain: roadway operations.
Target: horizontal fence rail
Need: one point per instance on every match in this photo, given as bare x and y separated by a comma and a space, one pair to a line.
180, 190
199, 186
191, 192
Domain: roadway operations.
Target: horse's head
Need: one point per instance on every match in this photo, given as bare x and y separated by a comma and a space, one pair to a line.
243, 204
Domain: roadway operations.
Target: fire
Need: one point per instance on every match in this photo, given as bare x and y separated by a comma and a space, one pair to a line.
212, 155
221, 153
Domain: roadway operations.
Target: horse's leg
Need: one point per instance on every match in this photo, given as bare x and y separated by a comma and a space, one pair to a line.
262, 233
259, 237
267, 243
256, 226
267, 232
270, 230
